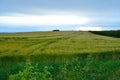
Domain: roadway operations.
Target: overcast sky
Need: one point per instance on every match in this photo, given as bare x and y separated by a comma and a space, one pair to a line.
46, 15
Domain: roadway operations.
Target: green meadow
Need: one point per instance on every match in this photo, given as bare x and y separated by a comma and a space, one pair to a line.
64, 55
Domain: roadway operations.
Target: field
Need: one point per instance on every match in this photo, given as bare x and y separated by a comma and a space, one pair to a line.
60, 55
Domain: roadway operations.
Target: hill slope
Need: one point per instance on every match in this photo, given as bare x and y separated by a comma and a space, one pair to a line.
56, 43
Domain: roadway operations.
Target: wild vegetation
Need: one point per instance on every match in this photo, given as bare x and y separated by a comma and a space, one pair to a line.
59, 56
108, 33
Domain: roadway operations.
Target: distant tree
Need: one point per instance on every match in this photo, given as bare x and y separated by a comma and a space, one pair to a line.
56, 30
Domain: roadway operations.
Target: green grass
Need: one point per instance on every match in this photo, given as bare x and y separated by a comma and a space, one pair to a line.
75, 70
56, 48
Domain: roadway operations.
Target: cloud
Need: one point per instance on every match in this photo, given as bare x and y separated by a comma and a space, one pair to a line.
36, 20
89, 28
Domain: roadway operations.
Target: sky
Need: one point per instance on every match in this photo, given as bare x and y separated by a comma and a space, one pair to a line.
47, 15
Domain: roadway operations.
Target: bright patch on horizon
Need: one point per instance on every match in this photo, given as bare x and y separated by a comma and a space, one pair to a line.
89, 29
33, 20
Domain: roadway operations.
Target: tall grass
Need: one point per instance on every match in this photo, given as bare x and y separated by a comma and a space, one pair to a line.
89, 69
